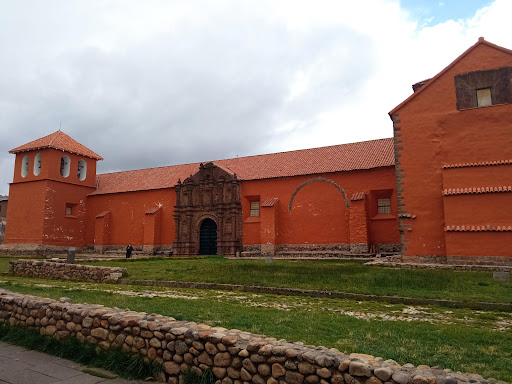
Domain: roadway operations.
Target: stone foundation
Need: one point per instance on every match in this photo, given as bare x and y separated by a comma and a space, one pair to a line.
37, 249
316, 250
359, 248
479, 260
459, 260
388, 248
312, 247
234, 356
57, 269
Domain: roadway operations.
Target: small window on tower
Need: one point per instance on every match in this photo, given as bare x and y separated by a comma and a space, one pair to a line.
71, 209
255, 208
483, 97
384, 205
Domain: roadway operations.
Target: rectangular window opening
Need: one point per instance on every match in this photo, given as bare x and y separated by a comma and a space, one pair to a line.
384, 205
70, 209
483, 97
255, 208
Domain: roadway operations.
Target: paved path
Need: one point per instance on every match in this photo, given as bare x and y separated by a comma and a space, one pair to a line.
21, 366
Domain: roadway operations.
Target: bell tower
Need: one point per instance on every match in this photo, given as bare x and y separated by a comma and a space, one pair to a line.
47, 198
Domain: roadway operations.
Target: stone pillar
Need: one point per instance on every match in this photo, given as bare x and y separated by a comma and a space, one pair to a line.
71, 255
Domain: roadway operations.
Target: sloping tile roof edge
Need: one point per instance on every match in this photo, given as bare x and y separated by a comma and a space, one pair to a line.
434, 79
268, 178
270, 202
28, 147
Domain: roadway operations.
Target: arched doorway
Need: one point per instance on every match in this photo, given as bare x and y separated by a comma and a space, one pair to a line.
208, 237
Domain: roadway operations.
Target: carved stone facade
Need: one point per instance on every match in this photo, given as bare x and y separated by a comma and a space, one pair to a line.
213, 192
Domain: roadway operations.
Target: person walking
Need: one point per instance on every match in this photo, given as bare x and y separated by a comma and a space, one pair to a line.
129, 250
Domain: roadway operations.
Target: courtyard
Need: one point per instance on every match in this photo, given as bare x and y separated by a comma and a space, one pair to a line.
460, 339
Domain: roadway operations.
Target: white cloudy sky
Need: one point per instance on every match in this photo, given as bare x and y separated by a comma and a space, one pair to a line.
152, 83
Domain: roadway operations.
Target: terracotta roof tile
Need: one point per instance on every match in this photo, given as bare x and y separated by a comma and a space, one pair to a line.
337, 158
357, 196
270, 202
152, 210
58, 140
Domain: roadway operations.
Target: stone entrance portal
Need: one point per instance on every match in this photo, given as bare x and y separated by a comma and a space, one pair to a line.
210, 195
208, 237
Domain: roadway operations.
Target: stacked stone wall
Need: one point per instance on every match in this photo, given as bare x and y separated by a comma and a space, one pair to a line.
234, 357
55, 269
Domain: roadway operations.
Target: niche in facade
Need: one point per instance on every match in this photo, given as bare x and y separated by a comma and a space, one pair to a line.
64, 166
82, 170
37, 165
24, 166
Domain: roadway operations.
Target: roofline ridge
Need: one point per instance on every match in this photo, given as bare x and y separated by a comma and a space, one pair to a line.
243, 157
56, 133
432, 80
304, 149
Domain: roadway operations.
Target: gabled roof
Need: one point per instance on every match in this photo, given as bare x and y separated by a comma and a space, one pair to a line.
481, 41
58, 140
337, 158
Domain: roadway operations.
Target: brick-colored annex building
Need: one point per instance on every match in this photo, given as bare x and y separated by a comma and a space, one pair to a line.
453, 148
440, 190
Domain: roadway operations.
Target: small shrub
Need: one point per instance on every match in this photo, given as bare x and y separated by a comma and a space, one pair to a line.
192, 377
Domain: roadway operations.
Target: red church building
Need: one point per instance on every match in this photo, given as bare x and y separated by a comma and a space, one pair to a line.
440, 190
338, 199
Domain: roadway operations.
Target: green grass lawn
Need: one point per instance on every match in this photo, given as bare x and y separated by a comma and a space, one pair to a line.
476, 349
459, 339
335, 275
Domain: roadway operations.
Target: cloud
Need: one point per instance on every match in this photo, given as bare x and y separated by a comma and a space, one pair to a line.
173, 82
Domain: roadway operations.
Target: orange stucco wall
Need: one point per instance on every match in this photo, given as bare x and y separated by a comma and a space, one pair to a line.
319, 214
38, 202
128, 211
433, 133
26, 213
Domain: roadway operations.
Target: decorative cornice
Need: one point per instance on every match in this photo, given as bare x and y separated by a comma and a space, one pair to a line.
478, 228
478, 164
472, 190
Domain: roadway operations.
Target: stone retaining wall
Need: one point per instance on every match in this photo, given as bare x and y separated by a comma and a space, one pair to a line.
235, 357
58, 269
